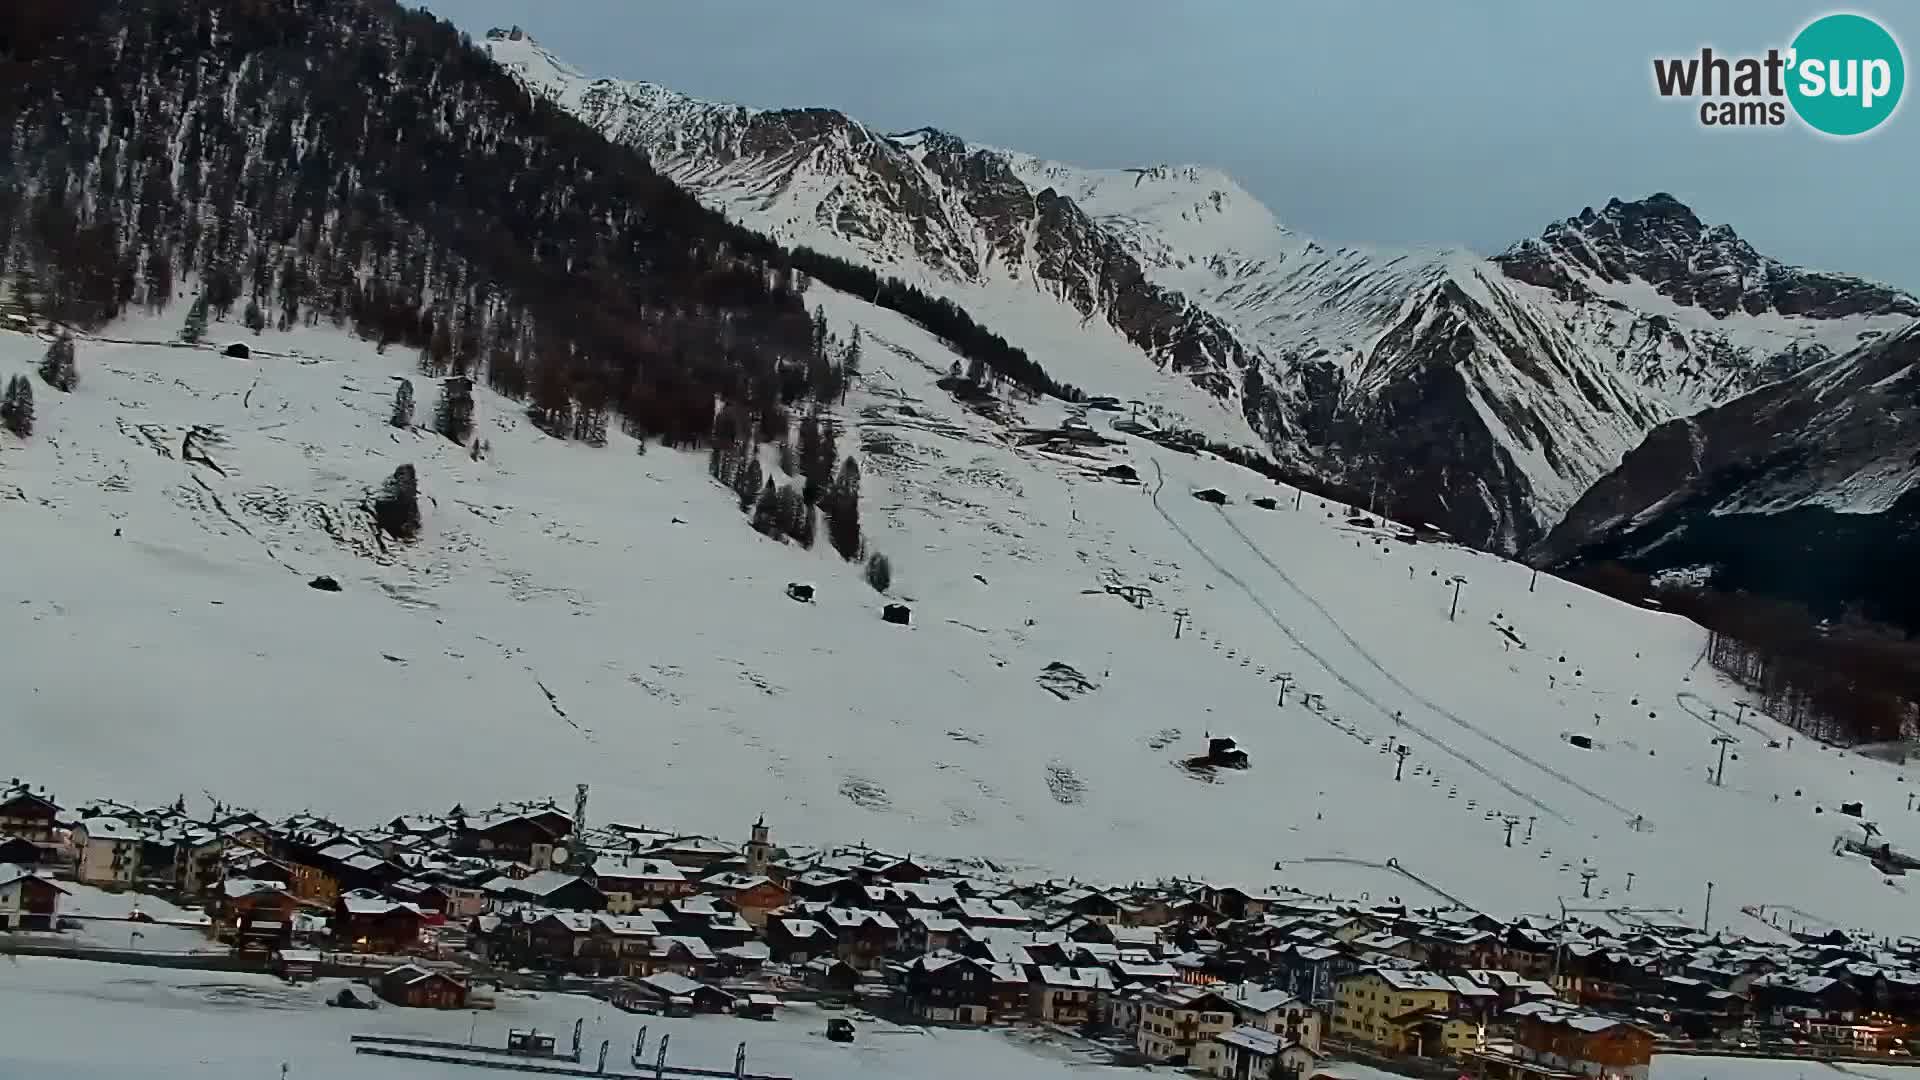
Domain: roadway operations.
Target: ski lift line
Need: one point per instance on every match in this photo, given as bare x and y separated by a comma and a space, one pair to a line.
1414, 694
1355, 689
1393, 865
1682, 697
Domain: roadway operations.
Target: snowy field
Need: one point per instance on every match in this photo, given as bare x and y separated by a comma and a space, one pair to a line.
580, 615
74, 1020
166, 1024
106, 921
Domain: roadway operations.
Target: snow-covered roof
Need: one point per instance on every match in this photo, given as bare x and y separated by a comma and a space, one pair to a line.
1257, 1040
674, 985
12, 872
1085, 978
637, 868
364, 904
107, 828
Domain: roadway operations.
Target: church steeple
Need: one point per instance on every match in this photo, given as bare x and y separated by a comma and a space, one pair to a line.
759, 847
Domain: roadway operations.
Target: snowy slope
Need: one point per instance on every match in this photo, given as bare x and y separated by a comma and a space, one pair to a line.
689, 690
1486, 395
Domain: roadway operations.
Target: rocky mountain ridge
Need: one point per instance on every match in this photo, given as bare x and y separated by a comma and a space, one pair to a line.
1484, 395
1807, 488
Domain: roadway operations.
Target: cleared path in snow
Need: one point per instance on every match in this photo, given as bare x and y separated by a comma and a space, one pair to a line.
1359, 691
1361, 651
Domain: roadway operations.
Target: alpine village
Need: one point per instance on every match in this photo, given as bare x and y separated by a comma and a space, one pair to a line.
1230, 980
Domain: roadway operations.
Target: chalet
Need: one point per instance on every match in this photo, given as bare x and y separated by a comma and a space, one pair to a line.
1139, 969
1380, 944
709, 918
743, 959
1510, 988
992, 913
1700, 1008
949, 988
633, 882
1251, 1053
933, 931
549, 889
1603, 978
370, 923
1279, 1012
429, 896
880, 867
28, 901
23, 852
1312, 972
594, 944
826, 887
202, 853
253, 916
424, 828
296, 965
668, 989
754, 896
861, 938
1067, 995
1574, 1040
1179, 1023
527, 836
1091, 905
1235, 902
797, 941
415, 987
698, 852
830, 975
28, 813
1785, 998
681, 955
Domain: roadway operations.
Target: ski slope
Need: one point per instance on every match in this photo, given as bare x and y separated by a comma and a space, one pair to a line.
572, 614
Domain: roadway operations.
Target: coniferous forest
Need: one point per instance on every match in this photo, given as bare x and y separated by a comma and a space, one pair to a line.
350, 161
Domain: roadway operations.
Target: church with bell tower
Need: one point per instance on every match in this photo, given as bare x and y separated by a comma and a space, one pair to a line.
759, 848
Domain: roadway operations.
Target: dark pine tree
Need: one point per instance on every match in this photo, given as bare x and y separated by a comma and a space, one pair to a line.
453, 415
879, 572
747, 482
402, 405
57, 367
842, 505
850, 364
16, 406
767, 511
397, 508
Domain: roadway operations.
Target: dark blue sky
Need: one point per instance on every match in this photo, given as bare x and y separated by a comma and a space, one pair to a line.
1395, 122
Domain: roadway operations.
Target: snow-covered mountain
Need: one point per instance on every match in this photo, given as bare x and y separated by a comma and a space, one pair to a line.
1806, 488
572, 614
1482, 394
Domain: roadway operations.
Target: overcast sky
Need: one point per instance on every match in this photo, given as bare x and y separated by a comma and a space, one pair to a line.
1471, 122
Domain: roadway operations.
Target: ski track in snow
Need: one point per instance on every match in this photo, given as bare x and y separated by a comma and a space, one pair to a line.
1329, 667
1361, 651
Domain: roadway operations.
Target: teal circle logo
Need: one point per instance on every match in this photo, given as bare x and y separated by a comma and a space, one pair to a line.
1847, 74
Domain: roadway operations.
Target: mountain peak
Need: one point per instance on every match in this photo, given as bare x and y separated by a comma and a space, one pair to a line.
1659, 241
